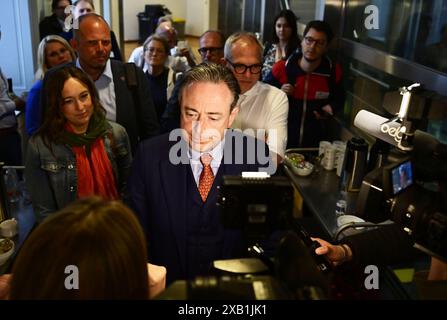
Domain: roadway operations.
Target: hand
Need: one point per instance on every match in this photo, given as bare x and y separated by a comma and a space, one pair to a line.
327, 110
184, 52
288, 88
438, 270
335, 254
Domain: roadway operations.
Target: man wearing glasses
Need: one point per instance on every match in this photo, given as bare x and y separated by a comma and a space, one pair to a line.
211, 46
313, 84
211, 51
263, 108
54, 24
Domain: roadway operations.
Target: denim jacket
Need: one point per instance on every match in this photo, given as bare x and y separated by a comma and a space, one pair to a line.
51, 175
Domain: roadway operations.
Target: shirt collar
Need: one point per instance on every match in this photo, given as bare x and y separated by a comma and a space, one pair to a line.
252, 90
216, 153
107, 70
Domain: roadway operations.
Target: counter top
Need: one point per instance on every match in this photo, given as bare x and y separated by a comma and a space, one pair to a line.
22, 211
320, 192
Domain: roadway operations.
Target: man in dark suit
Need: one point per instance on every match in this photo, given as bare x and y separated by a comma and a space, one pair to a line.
130, 106
173, 187
54, 24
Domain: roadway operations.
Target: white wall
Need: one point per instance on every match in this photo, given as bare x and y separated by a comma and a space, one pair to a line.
196, 14
16, 44
132, 7
201, 15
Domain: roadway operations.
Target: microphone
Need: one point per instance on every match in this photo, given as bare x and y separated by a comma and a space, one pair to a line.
379, 127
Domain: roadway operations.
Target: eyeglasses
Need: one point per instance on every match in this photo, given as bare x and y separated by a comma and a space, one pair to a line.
318, 42
242, 68
212, 50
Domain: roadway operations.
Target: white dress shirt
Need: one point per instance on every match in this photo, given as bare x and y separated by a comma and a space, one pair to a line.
197, 166
264, 107
106, 90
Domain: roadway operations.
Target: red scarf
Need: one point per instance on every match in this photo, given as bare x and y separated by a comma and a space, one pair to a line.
95, 174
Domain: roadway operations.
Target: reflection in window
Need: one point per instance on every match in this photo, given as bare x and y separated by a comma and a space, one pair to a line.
308, 10
411, 29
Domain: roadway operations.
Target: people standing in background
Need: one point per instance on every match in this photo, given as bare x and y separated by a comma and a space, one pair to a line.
82, 7
10, 146
313, 84
211, 51
211, 48
180, 59
263, 108
54, 24
52, 51
285, 41
127, 101
76, 153
161, 78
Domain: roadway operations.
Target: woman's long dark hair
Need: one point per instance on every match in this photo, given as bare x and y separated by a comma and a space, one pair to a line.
54, 120
291, 21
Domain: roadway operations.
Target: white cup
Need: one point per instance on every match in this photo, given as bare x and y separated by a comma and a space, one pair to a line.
8, 228
329, 158
322, 149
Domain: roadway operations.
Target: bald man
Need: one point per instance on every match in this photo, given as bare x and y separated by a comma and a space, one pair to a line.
132, 108
263, 108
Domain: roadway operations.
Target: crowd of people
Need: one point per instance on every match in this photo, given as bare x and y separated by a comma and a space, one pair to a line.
105, 129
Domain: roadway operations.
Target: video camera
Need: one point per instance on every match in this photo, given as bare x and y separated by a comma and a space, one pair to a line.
260, 207
411, 188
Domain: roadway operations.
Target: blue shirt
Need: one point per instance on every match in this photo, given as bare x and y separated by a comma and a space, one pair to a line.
106, 90
33, 114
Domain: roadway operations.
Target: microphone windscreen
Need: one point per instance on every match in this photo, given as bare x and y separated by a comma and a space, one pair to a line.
371, 123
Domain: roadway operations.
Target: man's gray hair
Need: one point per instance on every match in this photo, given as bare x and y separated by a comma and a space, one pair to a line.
214, 73
249, 37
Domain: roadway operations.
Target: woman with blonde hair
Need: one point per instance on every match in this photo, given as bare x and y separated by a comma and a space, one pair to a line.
52, 51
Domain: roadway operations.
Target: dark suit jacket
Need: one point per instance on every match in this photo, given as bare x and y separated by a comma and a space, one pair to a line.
157, 192
49, 25
139, 118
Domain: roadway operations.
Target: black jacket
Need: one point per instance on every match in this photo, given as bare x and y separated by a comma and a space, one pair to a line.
49, 25
137, 117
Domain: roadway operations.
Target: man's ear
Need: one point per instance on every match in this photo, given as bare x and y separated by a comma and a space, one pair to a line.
223, 61
233, 115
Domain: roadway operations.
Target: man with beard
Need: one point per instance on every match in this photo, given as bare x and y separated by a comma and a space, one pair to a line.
313, 84
131, 107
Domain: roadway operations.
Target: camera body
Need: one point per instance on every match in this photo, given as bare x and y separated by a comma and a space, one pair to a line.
411, 192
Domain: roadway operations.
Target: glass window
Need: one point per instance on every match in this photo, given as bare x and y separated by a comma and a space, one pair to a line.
307, 10
412, 29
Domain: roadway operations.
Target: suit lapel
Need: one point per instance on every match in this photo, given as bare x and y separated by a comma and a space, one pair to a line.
174, 183
119, 81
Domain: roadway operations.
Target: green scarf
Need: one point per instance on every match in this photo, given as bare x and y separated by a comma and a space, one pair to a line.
97, 127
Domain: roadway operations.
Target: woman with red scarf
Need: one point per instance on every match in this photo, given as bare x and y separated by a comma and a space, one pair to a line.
76, 153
